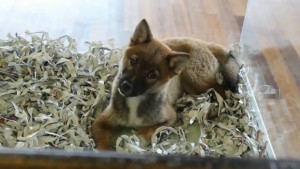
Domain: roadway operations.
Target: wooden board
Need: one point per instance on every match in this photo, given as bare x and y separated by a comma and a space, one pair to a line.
12, 158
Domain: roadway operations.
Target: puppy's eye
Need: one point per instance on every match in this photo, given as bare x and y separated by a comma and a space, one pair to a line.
152, 74
134, 61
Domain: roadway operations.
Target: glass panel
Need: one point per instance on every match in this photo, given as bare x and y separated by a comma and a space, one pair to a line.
271, 42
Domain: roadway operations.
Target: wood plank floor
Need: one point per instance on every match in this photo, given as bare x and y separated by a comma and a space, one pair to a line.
88, 20
270, 36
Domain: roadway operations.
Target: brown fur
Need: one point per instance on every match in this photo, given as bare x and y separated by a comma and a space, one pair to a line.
152, 75
206, 60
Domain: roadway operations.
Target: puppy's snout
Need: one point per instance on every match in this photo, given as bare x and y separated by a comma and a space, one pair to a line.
126, 88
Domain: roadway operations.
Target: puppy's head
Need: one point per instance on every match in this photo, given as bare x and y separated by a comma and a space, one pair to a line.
148, 64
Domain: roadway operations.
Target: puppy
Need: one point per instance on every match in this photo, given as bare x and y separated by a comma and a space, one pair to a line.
153, 74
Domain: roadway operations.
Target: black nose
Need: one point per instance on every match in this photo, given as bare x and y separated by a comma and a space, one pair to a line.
126, 88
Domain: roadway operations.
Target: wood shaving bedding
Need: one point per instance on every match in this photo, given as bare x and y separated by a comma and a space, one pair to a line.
49, 91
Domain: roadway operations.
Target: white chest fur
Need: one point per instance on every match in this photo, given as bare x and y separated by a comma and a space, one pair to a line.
133, 104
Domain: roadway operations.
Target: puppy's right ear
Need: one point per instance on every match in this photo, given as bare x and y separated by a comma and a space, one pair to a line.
142, 33
177, 61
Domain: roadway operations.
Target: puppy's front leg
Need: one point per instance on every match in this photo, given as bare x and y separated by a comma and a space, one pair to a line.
145, 134
102, 130
169, 117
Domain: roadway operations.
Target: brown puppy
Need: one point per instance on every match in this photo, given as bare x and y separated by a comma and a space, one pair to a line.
153, 74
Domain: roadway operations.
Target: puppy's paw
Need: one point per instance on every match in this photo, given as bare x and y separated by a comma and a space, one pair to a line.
143, 141
145, 135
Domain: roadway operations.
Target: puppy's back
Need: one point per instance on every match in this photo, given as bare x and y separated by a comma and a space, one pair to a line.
207, 59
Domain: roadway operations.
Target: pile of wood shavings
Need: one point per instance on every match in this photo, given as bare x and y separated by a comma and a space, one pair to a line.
49, 90
49, 93
234, 133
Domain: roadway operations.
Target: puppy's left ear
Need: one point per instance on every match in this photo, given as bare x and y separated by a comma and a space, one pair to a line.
177, 61
142, 33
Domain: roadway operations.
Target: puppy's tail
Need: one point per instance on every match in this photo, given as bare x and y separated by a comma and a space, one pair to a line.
230, 66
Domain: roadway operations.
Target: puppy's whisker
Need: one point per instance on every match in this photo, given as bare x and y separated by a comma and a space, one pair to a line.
121, 92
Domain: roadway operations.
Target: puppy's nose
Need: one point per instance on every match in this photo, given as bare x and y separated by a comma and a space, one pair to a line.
126, 88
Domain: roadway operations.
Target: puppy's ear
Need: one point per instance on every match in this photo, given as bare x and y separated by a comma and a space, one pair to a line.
142, 33
177, 61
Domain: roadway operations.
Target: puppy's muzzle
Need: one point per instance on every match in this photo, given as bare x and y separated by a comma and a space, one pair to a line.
125, 88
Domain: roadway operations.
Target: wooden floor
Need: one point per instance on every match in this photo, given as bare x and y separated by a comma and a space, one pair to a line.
88, 20
270, 34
